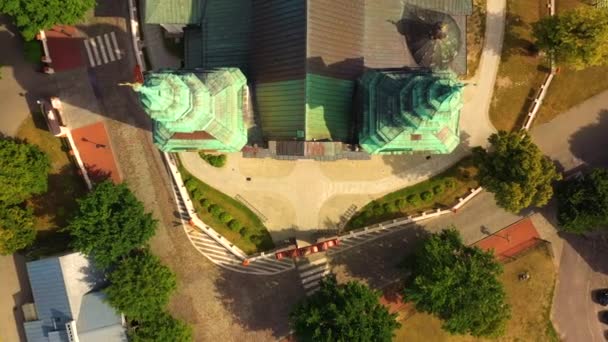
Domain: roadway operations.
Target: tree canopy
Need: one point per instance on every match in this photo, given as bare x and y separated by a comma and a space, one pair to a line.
32, 16
24, 171
349, 312
16, 229
109, 223
516, 171
459, 284
577, 37
140, 285
583, 202
161, 328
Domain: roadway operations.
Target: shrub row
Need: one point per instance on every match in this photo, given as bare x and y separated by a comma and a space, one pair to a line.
376, 209
224, 217
216, 160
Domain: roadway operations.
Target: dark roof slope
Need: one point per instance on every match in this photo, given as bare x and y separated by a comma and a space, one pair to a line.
279, 40
334, 38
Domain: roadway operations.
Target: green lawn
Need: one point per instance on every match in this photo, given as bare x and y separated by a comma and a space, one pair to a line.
530, 304
53, 208
255, 237
521, 70
571, 87
443, 189
32, 50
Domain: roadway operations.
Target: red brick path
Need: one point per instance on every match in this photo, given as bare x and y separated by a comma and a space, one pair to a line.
94, 147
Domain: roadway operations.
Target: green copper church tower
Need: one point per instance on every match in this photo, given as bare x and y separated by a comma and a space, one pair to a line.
410, 111
196, 111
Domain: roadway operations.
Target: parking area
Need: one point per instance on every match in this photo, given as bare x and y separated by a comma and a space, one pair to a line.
583, 269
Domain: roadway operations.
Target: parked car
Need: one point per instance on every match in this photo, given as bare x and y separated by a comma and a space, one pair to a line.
601, 296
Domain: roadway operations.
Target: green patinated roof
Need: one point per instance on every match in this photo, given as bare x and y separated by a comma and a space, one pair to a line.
223, 37
314, 108
456, 7
196, 110
405, 112
173, 11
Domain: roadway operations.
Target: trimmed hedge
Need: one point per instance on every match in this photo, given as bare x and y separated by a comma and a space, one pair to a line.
215, 160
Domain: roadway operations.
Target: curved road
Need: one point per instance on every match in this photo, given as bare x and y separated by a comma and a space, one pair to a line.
577, 138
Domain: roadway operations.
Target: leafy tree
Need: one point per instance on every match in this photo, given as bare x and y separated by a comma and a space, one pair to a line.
459, 284
109, 223
32, 16
161, 328
583, 202
16, 229
348, 312
140, 286
24, 171
516, 171
577, 38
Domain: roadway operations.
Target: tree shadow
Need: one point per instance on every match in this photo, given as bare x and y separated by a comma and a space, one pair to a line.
586, 143
380, 262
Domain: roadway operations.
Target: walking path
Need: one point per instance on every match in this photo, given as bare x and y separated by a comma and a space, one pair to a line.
478, 94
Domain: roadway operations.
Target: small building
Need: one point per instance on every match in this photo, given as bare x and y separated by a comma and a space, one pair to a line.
196, 110
410, 111
67, 304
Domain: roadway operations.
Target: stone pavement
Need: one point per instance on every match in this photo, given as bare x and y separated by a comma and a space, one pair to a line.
295, 201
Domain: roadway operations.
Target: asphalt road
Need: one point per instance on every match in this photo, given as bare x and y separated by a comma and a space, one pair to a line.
578, 138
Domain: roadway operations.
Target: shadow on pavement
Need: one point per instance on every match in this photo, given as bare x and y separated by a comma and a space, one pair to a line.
379, 262
420, 165
586, 144
260, 304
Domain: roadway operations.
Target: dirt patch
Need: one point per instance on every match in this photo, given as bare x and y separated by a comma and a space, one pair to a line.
504, 82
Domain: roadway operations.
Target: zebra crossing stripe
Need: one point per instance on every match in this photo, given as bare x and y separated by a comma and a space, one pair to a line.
95, 52
103, 50
89, 54
116, 50
106, 39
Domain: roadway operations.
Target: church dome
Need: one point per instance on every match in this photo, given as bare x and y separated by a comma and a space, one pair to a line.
432, 37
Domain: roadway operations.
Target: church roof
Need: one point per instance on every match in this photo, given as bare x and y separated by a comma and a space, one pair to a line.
173, 11
187, 102
406, 112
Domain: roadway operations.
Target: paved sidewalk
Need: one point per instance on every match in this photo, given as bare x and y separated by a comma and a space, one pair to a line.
475, 119
578, 136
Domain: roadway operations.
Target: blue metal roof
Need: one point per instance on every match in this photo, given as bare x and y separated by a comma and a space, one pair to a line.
50, 298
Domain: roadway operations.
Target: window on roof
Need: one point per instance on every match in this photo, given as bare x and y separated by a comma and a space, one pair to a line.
416, 137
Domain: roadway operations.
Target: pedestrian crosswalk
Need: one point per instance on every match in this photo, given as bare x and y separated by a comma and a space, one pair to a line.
224, 258
349, 241
102, 49
311, 272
